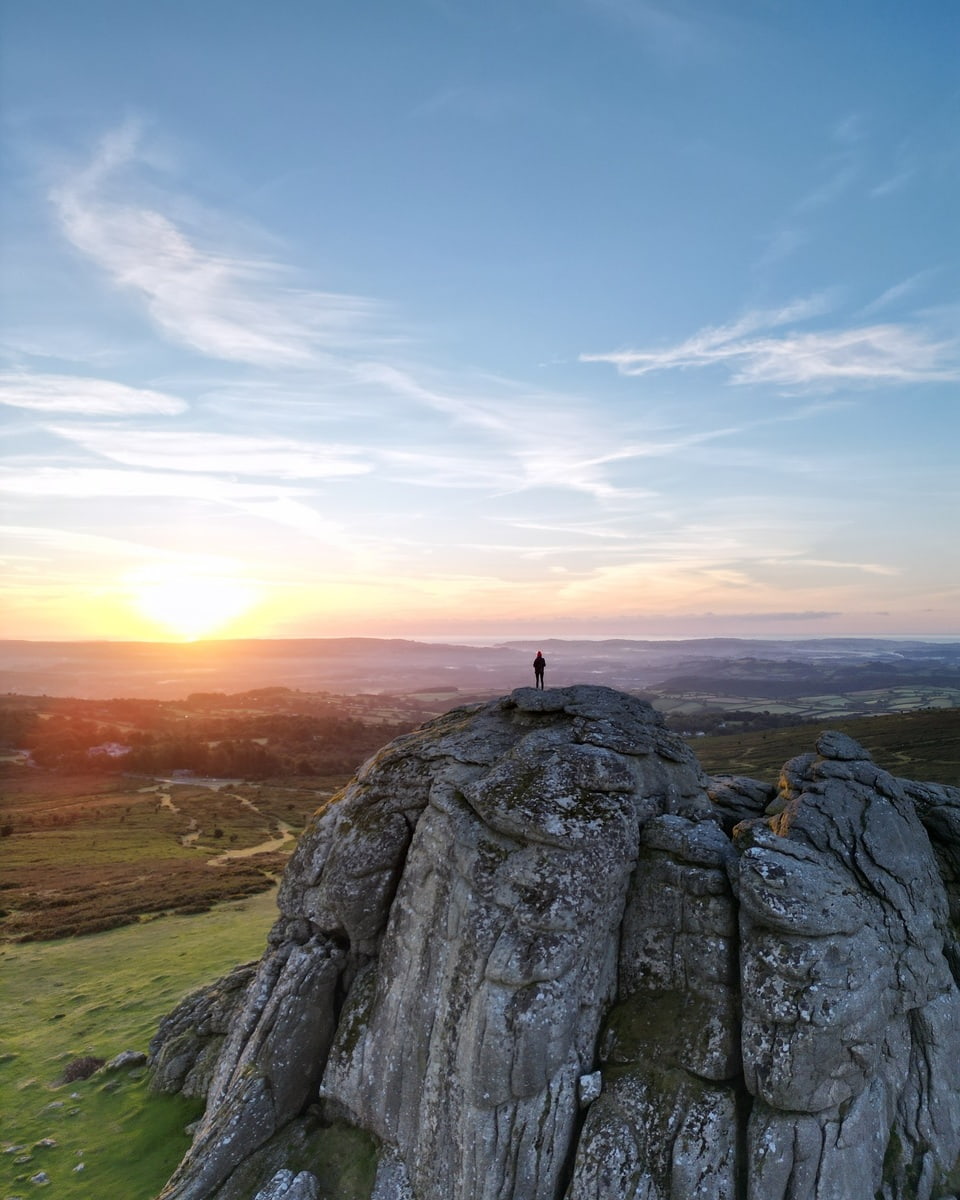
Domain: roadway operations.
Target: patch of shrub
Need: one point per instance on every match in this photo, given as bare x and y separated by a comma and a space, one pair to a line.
82, 1068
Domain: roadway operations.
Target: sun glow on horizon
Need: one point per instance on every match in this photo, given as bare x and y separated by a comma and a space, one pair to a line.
192, 603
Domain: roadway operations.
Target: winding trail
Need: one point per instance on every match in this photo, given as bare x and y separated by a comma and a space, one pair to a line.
285, 834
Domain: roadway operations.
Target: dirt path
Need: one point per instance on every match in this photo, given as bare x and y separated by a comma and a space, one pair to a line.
164, 799
284, 834
245, 801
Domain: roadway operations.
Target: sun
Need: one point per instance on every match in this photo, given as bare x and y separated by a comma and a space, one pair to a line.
191, 603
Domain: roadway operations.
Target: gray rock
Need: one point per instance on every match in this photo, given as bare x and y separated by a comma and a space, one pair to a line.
589, 1088
453, 1040
832, 744
125, 1060
184, 1051
531, 946
287, 1186
737, 799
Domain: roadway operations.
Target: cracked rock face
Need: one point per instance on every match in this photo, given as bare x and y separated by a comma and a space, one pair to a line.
535, 954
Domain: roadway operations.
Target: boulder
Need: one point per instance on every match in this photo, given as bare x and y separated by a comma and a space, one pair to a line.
126, 1060
532, 952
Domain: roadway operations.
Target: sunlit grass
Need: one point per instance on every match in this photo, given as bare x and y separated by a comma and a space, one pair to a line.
98, 996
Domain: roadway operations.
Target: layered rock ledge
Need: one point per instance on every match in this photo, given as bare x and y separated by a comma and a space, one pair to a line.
532, 953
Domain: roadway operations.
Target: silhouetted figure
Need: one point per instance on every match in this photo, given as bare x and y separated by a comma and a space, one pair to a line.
538, 664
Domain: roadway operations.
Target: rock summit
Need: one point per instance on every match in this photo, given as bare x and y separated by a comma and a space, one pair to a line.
531, 952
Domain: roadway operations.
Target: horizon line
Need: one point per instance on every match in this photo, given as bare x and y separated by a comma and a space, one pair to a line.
480, 640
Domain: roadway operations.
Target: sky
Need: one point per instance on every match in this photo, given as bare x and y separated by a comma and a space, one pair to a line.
437, 319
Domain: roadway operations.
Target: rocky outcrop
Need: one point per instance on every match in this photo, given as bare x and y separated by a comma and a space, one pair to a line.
532, 953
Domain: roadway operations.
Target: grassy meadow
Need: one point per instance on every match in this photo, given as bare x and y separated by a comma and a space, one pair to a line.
105, 1136
85, 853
914, 745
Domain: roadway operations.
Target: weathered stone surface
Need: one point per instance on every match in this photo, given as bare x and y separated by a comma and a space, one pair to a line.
662, 1135
532, 951
737, 799
287, 1186
938, 807
844, 919
126, 1060
464, 1046
185, 1049
670, 1053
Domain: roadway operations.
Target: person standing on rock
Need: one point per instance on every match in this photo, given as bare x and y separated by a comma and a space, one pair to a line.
538, 664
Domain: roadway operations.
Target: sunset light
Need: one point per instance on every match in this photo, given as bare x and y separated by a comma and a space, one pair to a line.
636, 319
191, 605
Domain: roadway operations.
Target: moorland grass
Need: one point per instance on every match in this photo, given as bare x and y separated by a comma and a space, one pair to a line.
921, 745
98, 996
82, 854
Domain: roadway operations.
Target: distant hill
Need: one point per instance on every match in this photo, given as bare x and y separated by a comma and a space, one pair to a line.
731, 667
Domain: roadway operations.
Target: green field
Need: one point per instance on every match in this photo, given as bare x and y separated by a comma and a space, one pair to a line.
105, 1136
85, 853
920, 745
869, 702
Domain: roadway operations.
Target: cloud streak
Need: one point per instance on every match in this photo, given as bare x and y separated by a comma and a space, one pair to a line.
866, 568
273, 503
871, 354
81, 483
88, 397
217, 453
227, 306
668, 31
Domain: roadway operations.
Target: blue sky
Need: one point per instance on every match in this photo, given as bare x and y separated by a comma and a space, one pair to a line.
428, 318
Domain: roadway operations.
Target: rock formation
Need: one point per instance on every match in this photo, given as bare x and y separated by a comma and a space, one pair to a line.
532, 953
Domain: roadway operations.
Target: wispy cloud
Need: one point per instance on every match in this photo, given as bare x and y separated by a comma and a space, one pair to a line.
674, 35
780, 245
476, 409
867, 568
92, 546
878, 354
525, 439
217, 453
225, 304
833, 177
602, 530
274, 503
79, 482
752, 617
893, 183
360, 388
898, 291
90, 397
